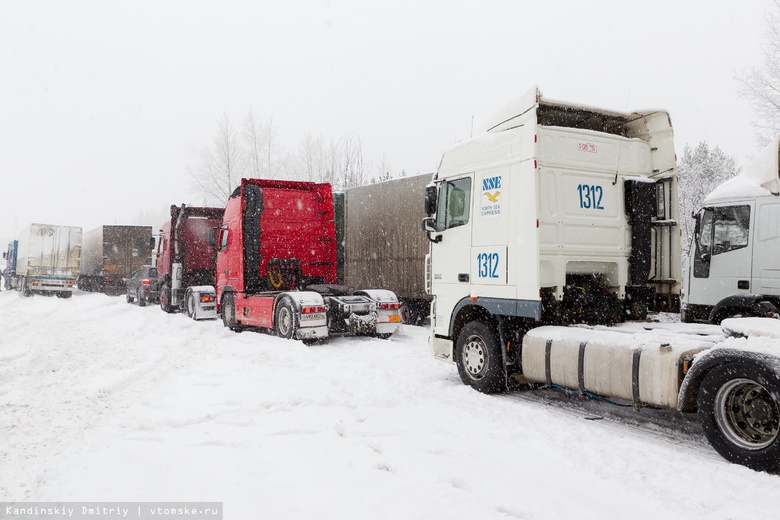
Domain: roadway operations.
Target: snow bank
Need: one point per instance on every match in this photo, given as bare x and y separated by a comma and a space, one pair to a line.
105, 401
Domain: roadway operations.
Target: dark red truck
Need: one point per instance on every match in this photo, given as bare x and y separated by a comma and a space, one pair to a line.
186, 261
276, 266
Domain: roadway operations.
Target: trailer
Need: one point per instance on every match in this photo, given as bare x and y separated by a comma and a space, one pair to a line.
276, 267
44, 259
377, 244
558, 221
185, 260
110, 254
733, 260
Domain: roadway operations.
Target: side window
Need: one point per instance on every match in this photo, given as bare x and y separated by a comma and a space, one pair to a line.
454, 204
224, 232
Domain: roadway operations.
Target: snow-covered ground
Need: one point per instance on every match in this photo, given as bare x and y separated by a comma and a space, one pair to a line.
105, 401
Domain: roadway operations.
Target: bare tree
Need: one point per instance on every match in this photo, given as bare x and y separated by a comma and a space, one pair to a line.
220, 168
383, 169
254, 145
699, 171
761, 86
353, 167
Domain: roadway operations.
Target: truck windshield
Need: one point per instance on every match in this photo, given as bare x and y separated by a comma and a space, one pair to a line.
724, 229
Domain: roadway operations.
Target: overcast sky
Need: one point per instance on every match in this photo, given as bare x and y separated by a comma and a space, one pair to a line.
103, 105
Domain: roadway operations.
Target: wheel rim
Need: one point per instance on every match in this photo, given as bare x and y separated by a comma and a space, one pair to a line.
475, 357
747, 414
284, 321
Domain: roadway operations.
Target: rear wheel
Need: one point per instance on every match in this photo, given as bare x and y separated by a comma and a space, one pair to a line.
739, 409
141, 299
479, 360
285, 319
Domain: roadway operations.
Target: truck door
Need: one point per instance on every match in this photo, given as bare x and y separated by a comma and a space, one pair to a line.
722, 260
451, 255
766, 249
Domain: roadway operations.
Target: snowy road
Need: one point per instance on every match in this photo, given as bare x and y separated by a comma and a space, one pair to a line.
105, 401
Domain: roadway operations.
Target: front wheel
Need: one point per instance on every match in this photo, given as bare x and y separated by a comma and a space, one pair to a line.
229, 312
479, 360
165, 298
285, 319
739, 409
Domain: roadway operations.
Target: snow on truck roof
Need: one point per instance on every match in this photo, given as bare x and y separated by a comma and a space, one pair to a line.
760, 178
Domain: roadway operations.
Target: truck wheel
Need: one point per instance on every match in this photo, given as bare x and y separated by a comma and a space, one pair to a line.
479, 360
229, 313
26, 292
165, 298
191, 307
740, 412
285, 320
141, 299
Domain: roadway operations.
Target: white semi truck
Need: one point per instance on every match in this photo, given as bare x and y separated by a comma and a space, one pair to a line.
557, 220
44, 259
734, 260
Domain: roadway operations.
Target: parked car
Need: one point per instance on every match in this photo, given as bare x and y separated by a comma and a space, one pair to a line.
142, 286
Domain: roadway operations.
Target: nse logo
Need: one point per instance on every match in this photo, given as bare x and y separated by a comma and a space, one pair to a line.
491, 188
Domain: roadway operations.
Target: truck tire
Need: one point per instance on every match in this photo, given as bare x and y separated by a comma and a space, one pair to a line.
229, 313
479, 360
284, 321
165, 298
26, 292
739, 409
141, 299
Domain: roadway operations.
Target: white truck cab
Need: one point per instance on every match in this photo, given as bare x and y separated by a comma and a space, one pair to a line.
734, 260
557, 213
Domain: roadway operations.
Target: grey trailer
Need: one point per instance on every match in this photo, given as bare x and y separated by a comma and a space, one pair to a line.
381, 244
110, 254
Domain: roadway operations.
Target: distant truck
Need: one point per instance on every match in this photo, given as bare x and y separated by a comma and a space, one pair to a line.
44, 259
276, 266
185, 261
734, 260
110, 254
561, 218
377, 242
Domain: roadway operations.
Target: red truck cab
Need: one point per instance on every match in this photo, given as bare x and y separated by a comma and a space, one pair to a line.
276, 266
186, 260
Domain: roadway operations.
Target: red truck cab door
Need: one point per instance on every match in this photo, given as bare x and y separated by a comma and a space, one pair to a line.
229, 253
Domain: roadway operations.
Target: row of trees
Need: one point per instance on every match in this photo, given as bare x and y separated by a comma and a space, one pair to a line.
253, 150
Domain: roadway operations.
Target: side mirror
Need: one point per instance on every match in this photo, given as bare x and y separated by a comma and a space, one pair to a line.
431, 194
213, 239
151, 243
429, 226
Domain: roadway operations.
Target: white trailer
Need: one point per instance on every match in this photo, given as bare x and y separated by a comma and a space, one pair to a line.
560, 219
734, 266
46, 260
